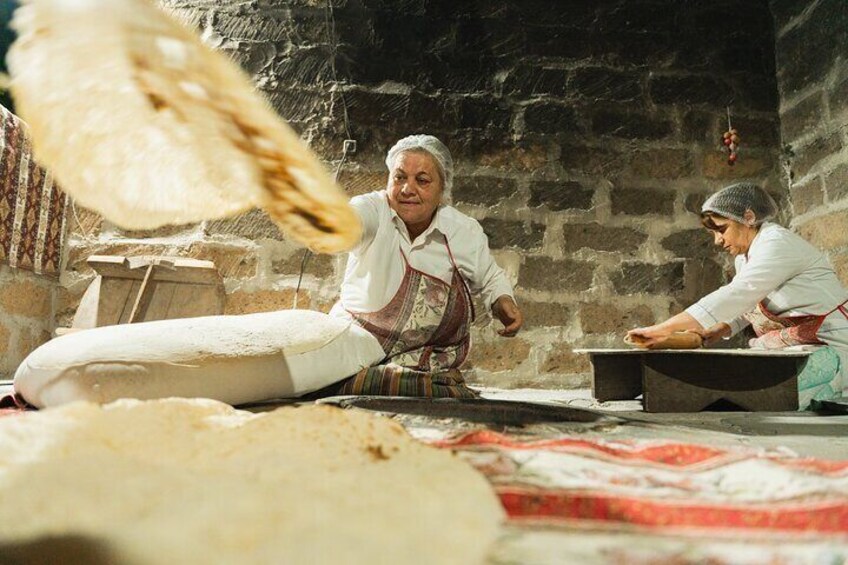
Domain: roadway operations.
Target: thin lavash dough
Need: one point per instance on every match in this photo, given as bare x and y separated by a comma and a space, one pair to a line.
234, 359
195, 481
141, 122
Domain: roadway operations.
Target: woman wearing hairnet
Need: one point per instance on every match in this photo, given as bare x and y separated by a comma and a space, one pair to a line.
784, 288
410, 279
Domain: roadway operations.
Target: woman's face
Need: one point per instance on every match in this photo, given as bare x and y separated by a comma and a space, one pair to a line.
732, 236
415, 188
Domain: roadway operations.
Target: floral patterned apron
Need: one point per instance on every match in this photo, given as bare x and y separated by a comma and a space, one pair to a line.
424, 332
821, 376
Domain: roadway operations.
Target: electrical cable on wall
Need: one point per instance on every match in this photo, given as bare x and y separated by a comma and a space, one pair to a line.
349, 145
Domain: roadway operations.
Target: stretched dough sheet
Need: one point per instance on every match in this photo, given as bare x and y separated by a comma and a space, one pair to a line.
195, 481
141, 122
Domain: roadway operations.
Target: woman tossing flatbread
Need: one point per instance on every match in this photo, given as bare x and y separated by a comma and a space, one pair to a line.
141, 122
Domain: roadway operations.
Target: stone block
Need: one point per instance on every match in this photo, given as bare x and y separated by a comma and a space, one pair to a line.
755, 132
701, 277
807, 52
836, 183
503, 354
252, 225
638, 201
661, 163
5, 336
305, 66
355, 183
299, 105
599, 83
498, 152
601, 318
543, 40
510, 233
261, 27
544, 273
591, 160
688, 89
28, 341
536, 81
648, 278
839, 259
232, 261
83, 222
27, 297
484, 112
701, 126
838, 96
714, 165
564, 360
560, 195
633, 48
785, 10
601, 238
803, 118
319, 266
544, 314
696, 243
806, 196
809, 156
759, 93
630, 125
160, 232
694, 202
483, 190
241, 302
546, 117
826, 232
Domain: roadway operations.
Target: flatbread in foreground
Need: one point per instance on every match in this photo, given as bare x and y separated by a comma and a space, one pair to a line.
141, 122
195, 481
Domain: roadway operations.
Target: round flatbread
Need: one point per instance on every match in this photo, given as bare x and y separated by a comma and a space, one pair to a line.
195, 481
144, 124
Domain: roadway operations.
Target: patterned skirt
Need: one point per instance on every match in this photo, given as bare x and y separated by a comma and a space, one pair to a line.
394, 380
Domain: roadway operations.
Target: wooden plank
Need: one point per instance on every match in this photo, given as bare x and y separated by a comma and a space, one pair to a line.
684, 383
126, 307
616, 377
160, 303
173, 269
114, 294
144, 292
191, 300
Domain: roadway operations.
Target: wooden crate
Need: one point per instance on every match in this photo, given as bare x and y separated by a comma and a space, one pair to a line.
139, 289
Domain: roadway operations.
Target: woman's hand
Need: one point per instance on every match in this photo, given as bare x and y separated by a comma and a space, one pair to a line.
649, 335
714, 333
506, 310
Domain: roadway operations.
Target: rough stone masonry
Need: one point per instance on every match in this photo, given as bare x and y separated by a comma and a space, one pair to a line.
585, 132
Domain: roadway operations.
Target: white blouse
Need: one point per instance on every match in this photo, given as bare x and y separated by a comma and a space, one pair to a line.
792, 278
375, 267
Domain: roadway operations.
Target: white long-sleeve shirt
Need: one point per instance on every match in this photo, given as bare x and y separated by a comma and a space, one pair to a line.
375, 267
792, 277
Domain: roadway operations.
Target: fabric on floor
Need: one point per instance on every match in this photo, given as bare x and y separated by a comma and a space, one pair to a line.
660, 486
32, 208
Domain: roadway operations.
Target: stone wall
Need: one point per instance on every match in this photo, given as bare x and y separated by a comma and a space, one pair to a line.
585, 133
26, 315
812, 73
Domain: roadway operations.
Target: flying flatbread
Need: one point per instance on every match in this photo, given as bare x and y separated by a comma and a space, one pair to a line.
141, 122
197, 482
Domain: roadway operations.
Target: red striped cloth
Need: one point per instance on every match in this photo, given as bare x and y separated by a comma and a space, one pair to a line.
32, 208
660, 486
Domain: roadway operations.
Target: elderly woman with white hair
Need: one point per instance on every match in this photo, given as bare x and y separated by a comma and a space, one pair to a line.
410, 280
784, 288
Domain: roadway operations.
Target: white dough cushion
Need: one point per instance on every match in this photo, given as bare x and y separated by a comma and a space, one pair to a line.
234, 359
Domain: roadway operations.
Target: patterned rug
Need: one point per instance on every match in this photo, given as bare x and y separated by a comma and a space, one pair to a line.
660, 486
32, 208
